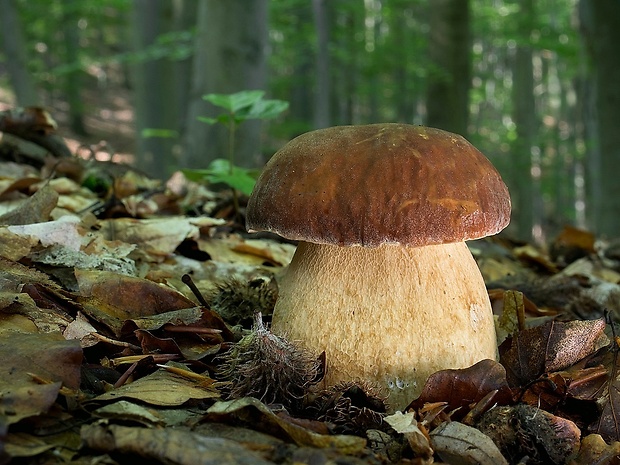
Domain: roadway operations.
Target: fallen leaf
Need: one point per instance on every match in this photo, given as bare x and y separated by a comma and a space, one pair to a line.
35, 209
22, 356
457, 443
594, 450
161, 388
61, 232
159, 237
407, 425
572, 243
250, 411
550, 347
126, 297
462, 388
177, 446
126, 411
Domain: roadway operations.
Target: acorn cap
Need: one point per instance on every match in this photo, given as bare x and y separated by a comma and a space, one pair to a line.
378, 184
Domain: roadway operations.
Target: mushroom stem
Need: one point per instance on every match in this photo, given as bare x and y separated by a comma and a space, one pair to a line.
392, 315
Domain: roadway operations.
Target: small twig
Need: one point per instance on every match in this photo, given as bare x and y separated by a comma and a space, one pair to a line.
125, 376
190, 329
114, 342
187, 279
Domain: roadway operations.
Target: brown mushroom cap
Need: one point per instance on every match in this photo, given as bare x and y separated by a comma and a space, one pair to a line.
377, 184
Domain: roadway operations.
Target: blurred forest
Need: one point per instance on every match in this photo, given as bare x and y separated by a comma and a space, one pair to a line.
534, 84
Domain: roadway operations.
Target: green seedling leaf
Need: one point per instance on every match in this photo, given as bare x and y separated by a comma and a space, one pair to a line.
235, 102
224, 118
267, 109
220, 171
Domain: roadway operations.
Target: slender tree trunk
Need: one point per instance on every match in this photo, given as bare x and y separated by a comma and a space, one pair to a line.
601, 29
450, 73
520, 179
231, 42
153, 90
14, 47
73, 80
321, 106
184, 19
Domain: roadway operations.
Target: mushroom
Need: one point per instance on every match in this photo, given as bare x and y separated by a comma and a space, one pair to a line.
382, 280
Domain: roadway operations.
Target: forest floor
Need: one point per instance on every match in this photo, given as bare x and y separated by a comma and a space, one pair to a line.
128, 327
108, 121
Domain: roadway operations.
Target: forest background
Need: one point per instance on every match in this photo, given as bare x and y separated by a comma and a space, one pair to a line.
534, 84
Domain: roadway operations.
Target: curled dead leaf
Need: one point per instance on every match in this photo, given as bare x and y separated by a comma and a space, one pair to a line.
550, 347
457, 443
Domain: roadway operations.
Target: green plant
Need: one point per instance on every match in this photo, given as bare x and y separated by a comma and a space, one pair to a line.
239, 107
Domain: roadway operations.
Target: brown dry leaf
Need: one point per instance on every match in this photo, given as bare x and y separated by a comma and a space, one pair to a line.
8, 186
550, 347
407, 425
82, 330
185, 316
531, 255
123, 410
594, 450
162, 388
157, 238
275, 253
47, 356
126, 297
457, 443
17, 307
253, 413
195, 329
463, 387
64, 444
190, 344
592, 269
27, 121
572, 243
607, 397
152, 344
35, 209
181, 447
14, 246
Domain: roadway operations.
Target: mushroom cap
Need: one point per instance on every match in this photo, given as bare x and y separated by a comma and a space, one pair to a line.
379, 184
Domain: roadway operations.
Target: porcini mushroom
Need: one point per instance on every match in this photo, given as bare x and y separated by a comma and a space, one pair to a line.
382, 279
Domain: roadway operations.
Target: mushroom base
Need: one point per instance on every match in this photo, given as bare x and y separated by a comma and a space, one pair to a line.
391, 315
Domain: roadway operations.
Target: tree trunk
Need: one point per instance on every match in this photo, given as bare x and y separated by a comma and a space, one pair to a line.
231, 41
72, 81
184, 19
601, 29
14, 47
450, 71
520, 179
321, 105
153, 90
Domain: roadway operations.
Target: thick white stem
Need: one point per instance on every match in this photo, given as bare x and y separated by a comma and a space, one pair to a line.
391, 315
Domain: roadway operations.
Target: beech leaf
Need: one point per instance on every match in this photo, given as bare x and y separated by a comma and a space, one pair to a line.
462, 387
550, 347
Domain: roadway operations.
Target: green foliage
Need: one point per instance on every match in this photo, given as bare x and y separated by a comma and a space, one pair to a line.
221, 171
243, 106
239, 107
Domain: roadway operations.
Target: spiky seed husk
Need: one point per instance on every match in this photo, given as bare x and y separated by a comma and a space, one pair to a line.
352, 407
269, 367
236, 300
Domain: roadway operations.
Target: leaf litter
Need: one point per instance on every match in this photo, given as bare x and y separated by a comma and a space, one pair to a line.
134, 323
